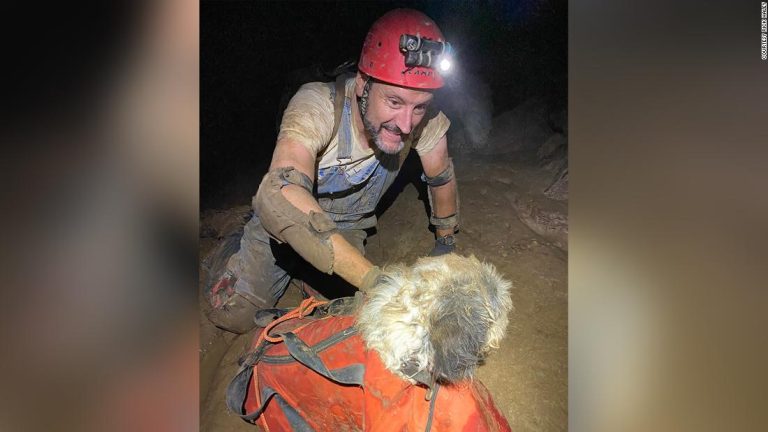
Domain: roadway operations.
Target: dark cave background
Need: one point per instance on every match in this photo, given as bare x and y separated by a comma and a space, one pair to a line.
251, 52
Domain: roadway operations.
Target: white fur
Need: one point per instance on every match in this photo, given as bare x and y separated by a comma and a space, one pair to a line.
402, 315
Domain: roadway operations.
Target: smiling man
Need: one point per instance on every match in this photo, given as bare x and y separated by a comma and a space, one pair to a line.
335, 157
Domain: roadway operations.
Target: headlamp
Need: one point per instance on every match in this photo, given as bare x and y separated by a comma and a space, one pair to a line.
425, 52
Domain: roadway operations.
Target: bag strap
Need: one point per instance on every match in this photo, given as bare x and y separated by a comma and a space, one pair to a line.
238, 387
433, 399
263, 317
236, 392
306, 355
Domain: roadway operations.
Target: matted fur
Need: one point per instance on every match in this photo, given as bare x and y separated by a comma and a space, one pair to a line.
442, 315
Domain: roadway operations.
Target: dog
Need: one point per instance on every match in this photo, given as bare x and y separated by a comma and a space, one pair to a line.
443, 315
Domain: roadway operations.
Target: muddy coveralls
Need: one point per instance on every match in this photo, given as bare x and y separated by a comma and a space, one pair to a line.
259, 269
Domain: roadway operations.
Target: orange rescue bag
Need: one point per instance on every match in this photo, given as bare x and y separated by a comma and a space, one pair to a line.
317, 375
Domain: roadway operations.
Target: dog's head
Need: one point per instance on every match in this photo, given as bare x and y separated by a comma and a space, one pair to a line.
442, 315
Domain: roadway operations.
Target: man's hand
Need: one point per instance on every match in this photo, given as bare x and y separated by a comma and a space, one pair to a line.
444, 245
370, 279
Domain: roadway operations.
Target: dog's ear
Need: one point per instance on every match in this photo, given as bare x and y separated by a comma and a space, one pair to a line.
499, 302
457, 338
468, 317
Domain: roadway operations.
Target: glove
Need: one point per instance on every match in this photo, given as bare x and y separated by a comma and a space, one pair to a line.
443, 245
370, 279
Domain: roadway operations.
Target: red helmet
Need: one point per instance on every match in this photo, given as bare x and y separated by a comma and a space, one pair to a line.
383, 59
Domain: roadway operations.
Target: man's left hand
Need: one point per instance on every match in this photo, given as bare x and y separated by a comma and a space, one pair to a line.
444, 245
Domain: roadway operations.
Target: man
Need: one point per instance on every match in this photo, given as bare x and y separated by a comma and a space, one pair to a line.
325, 180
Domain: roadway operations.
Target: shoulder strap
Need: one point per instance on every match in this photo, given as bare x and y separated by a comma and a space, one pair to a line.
338, 102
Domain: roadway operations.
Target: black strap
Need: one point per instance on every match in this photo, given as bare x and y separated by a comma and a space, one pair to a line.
343, 306
306, 355
238, 388
432, 406
297, 422
422, 377
335, 307
263, 317
236, 391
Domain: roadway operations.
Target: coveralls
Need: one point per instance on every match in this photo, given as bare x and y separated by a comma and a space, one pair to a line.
348, 188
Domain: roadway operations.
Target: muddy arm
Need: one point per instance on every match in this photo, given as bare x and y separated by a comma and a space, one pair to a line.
444, 196
348, 262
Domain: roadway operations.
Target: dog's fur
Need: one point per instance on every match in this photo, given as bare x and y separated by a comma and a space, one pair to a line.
442, 315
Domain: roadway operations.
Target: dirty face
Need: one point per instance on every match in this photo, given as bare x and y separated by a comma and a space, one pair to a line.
392, 113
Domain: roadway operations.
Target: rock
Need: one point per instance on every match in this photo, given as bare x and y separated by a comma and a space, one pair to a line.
544, 217
523, 128
550, 147
558, 162
558, 121
558, 190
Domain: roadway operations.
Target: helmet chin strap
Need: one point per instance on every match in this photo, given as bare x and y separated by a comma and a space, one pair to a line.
362, 101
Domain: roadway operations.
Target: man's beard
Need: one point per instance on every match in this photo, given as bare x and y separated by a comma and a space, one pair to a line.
376, 135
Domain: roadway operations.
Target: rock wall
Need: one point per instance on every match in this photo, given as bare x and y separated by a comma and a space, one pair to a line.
525, 127
468, 102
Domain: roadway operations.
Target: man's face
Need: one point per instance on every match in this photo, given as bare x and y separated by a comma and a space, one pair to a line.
392, 114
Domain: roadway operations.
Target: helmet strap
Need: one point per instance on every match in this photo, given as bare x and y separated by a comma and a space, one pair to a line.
362, 101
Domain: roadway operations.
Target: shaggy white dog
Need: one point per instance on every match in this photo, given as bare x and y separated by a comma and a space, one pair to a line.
442, 315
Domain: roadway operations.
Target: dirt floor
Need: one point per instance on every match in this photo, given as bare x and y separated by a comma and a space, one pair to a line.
527, 376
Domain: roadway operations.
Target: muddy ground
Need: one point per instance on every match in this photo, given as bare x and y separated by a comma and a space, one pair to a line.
500, 196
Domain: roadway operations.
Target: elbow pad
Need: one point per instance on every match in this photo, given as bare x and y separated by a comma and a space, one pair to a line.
308, 234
